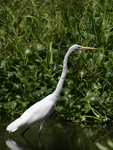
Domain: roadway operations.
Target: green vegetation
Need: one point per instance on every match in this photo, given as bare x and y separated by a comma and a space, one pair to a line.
108, 146
34, 37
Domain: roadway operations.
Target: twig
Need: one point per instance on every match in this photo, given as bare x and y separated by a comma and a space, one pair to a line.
103, 105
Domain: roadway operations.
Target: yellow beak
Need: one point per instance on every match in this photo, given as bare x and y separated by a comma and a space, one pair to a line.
87, 47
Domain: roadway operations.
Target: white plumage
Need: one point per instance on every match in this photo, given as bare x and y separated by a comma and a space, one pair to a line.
41, 110
35, 114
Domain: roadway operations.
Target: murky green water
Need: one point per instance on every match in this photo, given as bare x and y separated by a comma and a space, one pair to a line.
55, 136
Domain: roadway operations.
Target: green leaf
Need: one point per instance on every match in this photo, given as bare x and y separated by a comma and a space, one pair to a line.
82, 73
107, 66
80, 85
10, 105
43, 89
82, 118
102, 146
86, 99
3, 64
66, 91
78, 106
110, 143
71, 103
63, 98
59, 108
40, 47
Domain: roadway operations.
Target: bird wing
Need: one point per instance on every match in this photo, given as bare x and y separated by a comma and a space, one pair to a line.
36, 113
39, 111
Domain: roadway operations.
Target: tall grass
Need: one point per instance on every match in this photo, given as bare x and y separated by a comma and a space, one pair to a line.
35, 36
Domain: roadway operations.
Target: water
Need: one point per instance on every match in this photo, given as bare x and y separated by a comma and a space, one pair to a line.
55, 136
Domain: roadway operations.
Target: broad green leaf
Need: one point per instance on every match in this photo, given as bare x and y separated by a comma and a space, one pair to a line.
40, 47
63, 98
102, 146
59, 108
66, 91
80, 85
71, 103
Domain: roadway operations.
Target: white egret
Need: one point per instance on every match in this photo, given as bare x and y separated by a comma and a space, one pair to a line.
41, 110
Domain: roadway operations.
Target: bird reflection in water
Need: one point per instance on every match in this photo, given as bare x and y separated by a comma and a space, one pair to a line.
14, 145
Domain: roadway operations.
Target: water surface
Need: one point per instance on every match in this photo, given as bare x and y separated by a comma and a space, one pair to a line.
55, 136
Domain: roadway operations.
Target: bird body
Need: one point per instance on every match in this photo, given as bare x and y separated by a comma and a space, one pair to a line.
35, 114
41, 110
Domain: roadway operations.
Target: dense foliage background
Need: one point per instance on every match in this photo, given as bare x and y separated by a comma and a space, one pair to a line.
35, 36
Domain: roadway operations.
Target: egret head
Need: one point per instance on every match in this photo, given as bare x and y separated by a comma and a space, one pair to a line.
78, 47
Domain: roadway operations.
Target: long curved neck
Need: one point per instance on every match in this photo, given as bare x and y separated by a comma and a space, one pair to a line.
63, 75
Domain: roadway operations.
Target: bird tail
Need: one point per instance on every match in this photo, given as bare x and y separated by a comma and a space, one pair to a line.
15, 125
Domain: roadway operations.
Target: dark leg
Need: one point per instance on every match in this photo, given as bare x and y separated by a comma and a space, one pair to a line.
24, 132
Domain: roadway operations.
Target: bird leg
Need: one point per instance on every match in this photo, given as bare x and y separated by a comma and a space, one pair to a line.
41, 125
24, 131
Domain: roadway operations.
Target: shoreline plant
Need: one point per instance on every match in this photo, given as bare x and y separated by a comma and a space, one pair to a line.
34, 37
